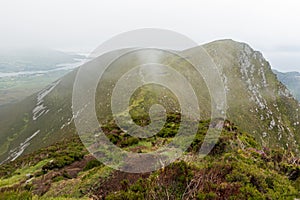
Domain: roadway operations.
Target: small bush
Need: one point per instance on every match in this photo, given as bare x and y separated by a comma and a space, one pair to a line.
92, 164
114, 138
57, 178
129, 141
208, 196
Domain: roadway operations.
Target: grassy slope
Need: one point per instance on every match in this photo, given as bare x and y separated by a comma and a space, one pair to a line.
237, 168
255, 97
16, 123
242, 109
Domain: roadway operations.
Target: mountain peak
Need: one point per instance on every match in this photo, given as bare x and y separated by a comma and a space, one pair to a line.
232, 44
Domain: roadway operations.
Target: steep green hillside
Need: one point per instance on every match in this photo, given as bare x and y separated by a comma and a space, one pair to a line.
257, 101
37, 121
238, 167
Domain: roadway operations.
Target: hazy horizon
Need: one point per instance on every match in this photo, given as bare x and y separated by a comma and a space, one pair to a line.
267, 26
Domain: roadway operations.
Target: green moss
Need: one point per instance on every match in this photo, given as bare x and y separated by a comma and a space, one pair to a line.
206, 196
92, 164
20, 174
122, 195
58, 178
129, 141
16, 195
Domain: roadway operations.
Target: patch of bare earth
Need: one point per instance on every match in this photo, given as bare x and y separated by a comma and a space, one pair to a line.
43, 183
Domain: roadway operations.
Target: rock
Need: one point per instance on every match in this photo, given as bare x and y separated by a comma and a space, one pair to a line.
29, 176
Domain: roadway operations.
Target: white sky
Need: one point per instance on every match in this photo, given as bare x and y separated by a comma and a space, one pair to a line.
270, 26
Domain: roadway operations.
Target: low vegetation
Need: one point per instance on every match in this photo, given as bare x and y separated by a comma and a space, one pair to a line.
237, 168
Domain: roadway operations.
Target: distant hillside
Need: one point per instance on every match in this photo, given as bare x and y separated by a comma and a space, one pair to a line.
291, 80
25, 72
33, 59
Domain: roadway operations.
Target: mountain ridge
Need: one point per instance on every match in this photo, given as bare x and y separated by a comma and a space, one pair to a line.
257, 101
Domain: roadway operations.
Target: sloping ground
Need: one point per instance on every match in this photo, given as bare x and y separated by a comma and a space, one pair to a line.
237, 168
257, 101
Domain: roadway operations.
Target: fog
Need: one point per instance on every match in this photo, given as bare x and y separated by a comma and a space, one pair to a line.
272, 27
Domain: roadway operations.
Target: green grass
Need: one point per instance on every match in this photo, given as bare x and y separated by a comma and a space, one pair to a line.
59, 198
80, 186
5, 146
20, 174
236, 168
25, 195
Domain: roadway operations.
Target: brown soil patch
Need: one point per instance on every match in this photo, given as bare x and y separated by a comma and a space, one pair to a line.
116, 182
42, 184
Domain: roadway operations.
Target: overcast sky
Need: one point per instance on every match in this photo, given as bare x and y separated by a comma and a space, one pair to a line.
272, 27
